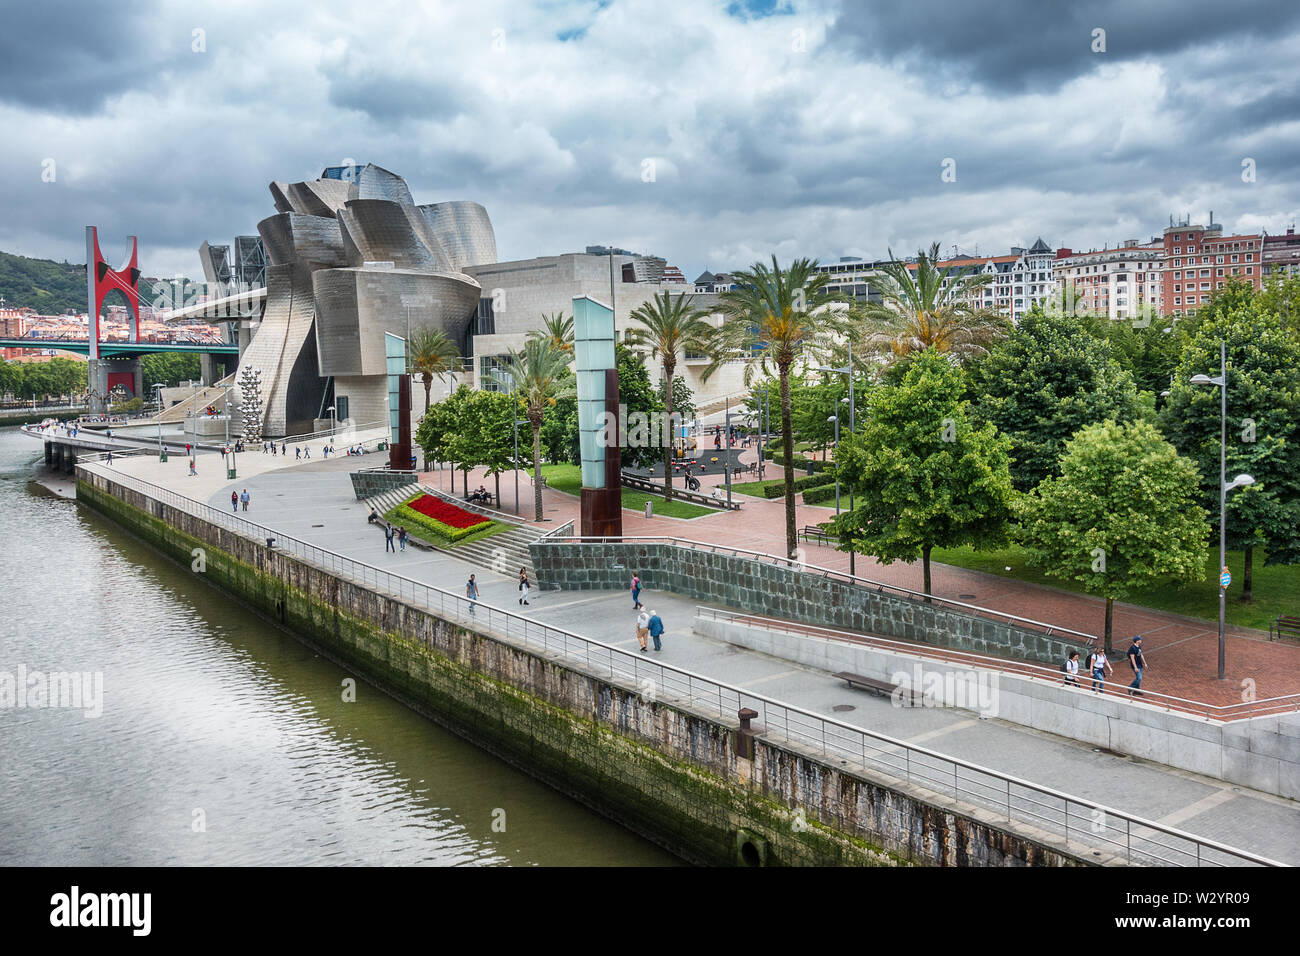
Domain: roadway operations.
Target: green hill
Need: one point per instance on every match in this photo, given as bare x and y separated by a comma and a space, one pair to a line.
50, 288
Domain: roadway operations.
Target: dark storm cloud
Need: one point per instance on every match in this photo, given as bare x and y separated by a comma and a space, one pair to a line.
1015, 45
69, 57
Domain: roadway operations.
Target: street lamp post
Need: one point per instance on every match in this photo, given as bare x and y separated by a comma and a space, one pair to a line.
853, 425
726, 464
1241, 481
836, 419
157, 388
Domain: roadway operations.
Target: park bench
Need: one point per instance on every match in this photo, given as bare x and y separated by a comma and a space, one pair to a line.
811, 532
873, 686
489, 502
1284, 626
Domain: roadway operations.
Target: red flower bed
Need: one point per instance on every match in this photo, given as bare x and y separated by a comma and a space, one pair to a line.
447, 513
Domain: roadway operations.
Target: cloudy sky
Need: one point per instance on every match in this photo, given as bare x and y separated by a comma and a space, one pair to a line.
711, 133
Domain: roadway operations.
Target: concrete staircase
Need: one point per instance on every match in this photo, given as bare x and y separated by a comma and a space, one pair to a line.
208, 395
505, 552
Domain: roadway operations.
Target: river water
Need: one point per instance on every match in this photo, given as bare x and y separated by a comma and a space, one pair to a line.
222, 739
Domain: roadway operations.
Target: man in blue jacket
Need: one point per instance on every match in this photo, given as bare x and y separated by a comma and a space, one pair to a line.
656, 629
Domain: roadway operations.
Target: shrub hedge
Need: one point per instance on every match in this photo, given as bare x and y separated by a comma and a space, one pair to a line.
411, 519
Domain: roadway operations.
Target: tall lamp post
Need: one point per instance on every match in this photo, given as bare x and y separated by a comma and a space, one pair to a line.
157, 389
1241, 481
853, 425
836, 419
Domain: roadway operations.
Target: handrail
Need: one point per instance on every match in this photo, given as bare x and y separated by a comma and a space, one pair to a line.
562, 531
1029, 803
1275, 705
797, 565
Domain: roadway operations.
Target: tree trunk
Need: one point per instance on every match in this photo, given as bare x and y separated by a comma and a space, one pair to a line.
428, 384
925, 570
669, 368
537, 470
1110, 619
1246, 593
497, 477
787, 445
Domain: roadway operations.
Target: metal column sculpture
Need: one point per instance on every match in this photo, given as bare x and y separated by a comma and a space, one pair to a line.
399, 403
602, 492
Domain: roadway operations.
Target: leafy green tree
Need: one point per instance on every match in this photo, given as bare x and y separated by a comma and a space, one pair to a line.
1263, 428
484, 434
669, 324
925, 476
439, 431
637, 394
774, 318
535, 373
1042, 383
1280, 296
1121, 516
169, 368
813, 403
928, 307
682, 399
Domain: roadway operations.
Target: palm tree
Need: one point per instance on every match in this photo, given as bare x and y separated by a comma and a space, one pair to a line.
532, 374
929, 308
433, 354
557, 328
777, 317
669, 324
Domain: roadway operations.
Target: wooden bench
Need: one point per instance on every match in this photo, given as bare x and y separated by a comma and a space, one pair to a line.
820, 535
1284, 626
880, 687
489, 502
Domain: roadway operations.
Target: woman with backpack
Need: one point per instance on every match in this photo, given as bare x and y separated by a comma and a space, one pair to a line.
636, 591
1098, 664
1071, 669
523, 586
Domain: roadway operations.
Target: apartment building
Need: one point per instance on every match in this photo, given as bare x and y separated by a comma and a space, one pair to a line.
1280, 255
1116, 282
1021, 279
1200, 259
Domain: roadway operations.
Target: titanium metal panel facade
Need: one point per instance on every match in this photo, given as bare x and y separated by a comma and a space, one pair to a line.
464, 231
349, 258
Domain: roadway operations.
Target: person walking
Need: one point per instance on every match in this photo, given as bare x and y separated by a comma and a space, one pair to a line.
642, 629
265, 448
243, 497
223, 454
636, 591
1139, 664
523, 586
306, 451
297, 453
1098, 664
388, 539
234, 501
192, 469
401, 537
471, 592
1071, 669
656, 625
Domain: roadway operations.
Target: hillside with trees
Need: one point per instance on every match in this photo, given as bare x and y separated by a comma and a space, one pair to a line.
49, 287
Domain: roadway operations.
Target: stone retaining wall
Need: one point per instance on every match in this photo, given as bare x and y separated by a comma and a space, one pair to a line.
764, 588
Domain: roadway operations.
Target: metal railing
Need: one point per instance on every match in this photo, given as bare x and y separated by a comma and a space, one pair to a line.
879, 586
563, 531
1090, 828
1289, 703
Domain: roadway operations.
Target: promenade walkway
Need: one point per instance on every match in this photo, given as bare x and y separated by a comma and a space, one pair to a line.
314, 502
1181, 651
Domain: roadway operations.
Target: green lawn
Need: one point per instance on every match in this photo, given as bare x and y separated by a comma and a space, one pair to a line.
568, 478
1276, 588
